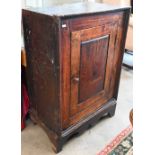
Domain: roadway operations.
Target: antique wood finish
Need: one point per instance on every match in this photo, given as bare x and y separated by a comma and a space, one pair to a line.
92, 68
87, 36
74, 57
43, 66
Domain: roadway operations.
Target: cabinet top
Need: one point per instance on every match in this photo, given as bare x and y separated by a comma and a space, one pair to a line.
75, 9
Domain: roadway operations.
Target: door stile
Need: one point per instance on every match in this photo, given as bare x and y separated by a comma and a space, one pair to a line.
75, 61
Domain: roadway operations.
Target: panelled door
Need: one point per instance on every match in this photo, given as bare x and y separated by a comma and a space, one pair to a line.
92, 51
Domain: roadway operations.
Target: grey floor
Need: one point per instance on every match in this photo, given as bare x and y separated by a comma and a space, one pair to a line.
34, 141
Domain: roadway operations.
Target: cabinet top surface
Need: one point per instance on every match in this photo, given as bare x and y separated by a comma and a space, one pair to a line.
75, 9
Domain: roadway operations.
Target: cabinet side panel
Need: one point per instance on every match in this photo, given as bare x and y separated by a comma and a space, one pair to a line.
42, 49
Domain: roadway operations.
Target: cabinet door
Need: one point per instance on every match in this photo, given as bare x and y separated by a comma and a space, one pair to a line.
91, 56
89, 69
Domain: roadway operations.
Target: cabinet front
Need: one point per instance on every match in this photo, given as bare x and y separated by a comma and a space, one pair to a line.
88, 66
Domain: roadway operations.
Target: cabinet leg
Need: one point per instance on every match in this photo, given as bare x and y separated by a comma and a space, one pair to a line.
57, 148
111, 113
33, 119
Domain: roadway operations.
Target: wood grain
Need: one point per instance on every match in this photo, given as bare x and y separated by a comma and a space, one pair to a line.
74, 55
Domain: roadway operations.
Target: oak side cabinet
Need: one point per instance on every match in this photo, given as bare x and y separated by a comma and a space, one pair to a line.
74, 56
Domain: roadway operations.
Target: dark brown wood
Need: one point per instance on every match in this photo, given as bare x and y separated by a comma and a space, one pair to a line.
74, 60
92, 67
43, 66
123, 33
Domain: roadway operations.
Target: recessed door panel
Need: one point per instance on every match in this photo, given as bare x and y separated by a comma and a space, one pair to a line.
93, 57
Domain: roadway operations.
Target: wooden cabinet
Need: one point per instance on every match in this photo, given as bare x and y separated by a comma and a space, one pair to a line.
74, 56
